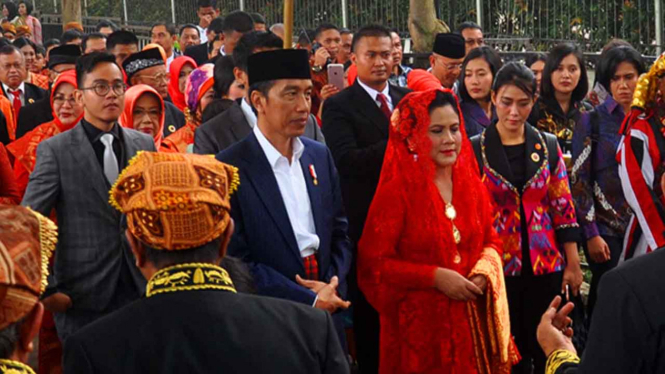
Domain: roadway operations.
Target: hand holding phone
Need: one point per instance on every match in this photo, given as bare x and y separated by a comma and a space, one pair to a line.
336, 75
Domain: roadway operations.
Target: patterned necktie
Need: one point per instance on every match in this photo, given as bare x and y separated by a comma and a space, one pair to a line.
110, 161
17, 102
384, 105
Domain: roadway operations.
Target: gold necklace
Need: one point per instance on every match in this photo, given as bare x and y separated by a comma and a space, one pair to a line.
451, 214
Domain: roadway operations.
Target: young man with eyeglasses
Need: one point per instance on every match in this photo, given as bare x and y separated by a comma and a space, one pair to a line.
93, 271
148, 67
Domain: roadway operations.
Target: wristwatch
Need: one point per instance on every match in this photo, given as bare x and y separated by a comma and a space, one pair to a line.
317, 68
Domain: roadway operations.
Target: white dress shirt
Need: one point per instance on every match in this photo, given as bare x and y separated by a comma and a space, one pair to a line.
374, 93
250, 116
202, 34
292, 187
11, 97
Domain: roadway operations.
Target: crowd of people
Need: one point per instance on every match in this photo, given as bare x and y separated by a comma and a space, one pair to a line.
358, 213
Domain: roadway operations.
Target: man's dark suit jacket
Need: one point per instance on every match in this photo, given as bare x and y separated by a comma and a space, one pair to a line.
174, 118
199, 53
35, 111
4, 132
263, 234
207, 331
627, 332
231, 126
356, 132
33, 115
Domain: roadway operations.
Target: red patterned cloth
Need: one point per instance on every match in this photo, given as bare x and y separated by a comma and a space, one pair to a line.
311, 267
407, 237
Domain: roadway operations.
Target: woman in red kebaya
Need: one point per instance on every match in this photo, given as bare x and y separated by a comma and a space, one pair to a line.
429, 258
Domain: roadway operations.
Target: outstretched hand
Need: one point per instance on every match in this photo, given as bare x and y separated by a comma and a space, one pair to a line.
327, 298
555, 331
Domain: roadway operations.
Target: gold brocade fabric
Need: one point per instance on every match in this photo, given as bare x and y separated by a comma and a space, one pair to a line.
490, 322
189, 277
558, 358
647, 85
14, 367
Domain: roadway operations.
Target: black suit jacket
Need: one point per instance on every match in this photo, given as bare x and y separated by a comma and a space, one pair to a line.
4, 132
356, 132
35, 111
627, 333
231, 126
174, 118
198, 52
208, 331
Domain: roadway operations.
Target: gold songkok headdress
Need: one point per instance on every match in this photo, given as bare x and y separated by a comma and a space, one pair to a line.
647, 84
27, 241
175, 201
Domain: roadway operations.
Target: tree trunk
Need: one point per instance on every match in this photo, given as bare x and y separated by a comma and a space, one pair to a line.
423, 24
71, 11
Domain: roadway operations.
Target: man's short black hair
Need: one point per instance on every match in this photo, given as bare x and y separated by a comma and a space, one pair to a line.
4, 42
91, 36
207, 253
324, 27
9, 49
71, 35
305, 38
224, 76
121, 37
468, 25
170, 28
252, 41
345, 31
238, 21
372, 31
189, 26
217, 25
87, 63
263, 87
22, 42
258, 18
207, 4
51, 43
108, 24
9, 338
40, 50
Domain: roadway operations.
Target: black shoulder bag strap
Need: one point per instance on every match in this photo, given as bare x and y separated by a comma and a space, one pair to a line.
551, 142
477, 149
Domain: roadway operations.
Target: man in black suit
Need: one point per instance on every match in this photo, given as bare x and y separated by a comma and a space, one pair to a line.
627, 333
355, 123
237, 122
12, 75
61, 59
192, 320
148, 67
201, 52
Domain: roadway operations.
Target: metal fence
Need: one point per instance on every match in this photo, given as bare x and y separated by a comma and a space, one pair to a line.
512, 25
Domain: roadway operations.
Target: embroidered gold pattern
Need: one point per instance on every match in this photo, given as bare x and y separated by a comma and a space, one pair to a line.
190, 277
14, 367
558, 358
48, 239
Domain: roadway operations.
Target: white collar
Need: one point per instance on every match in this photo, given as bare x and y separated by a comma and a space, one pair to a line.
20, 87
272, 154
374, 93
249, 113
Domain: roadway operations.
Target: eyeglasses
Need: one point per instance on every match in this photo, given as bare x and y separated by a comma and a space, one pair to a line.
161, 77
452, 67
102, 89
60, 100
153, 114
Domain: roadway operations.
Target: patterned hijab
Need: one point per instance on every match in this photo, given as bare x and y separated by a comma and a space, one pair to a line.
201, 79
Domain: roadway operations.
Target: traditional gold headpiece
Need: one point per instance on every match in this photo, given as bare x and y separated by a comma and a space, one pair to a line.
175, 201
647, 84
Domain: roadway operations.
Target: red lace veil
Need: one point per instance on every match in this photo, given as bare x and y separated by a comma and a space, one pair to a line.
407, 159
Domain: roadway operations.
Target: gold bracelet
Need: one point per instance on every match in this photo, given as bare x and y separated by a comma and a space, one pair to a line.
558, 358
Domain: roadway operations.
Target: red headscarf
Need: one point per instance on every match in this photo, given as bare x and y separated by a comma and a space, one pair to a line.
131, 97
178, 97
68, 76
